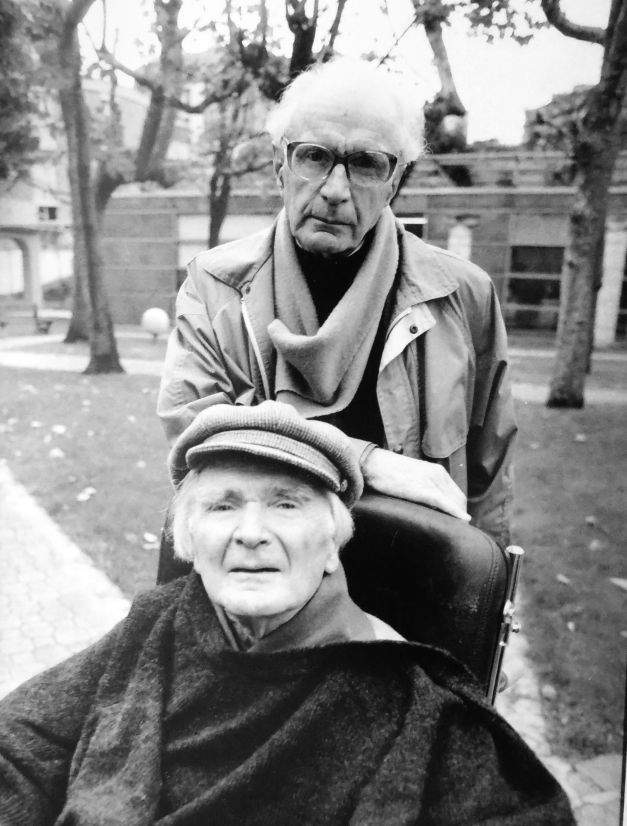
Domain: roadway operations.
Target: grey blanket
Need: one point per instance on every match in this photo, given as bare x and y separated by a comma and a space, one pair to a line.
160, 724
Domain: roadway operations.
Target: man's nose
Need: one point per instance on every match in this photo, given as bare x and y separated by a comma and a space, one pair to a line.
336, 188
251, 530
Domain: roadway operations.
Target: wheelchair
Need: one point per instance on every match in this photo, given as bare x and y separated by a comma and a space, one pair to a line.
435, 579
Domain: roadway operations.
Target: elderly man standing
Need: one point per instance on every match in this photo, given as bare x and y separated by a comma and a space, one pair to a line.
341, 313
254, 691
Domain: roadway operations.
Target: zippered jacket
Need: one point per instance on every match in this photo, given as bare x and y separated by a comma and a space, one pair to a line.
443, 387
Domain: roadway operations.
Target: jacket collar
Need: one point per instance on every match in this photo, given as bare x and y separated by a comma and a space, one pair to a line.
424, 274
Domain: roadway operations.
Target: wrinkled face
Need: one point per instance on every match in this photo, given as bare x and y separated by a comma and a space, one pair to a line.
262, 538
332, 217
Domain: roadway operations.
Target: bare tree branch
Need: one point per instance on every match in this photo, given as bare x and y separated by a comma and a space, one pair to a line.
75, 12
157, 88
557, 18
411, 23
263, 22
327, 51
616, 48
233, 31
304, 30
104, 23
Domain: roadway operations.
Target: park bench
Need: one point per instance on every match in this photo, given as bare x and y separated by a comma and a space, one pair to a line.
43, 317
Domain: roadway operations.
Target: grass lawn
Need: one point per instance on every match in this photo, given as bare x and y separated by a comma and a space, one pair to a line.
65, 434
92, 452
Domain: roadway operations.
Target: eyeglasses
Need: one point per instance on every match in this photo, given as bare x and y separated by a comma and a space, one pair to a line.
315, 163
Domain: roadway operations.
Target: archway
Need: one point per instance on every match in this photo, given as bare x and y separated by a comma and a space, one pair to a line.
12, 269
19, 266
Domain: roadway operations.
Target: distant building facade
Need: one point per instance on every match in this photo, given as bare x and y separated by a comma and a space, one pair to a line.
511, 220
36, 245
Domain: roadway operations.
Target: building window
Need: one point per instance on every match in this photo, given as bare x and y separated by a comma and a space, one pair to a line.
533, 287
47, 213
414, 225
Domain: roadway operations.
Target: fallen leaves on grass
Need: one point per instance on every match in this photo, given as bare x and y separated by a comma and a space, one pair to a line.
85, 494
151, 541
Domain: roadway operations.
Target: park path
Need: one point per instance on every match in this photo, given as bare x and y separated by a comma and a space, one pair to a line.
14, 353
55, 602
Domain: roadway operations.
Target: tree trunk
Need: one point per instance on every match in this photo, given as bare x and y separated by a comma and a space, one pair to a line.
78, 328
102, 345
596, 157
219, 194
303, 28
596, 149
446, 124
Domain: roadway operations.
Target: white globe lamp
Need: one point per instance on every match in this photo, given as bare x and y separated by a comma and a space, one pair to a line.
156, 322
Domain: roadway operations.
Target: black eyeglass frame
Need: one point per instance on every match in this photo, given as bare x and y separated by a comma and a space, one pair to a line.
290, 146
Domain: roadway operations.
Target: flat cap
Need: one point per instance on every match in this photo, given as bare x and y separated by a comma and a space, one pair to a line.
275, 431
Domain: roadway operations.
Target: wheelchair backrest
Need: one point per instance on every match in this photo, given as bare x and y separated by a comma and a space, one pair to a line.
433, 578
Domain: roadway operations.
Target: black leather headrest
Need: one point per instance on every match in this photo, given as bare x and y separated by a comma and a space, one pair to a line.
434, 578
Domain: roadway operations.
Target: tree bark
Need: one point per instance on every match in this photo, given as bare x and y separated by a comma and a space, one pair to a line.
431, 14
596, 150
78, 329
586, 229
102, 344
304, 30
219, 194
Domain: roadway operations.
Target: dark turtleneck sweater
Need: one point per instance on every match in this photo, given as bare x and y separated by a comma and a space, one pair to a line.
328, 280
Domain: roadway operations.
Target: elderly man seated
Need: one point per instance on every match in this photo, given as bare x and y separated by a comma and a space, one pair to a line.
254, 691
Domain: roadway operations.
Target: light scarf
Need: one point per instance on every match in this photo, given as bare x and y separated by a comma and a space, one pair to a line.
319, 368
330, 616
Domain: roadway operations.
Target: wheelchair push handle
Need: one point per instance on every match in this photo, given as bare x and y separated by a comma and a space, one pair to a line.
508, 625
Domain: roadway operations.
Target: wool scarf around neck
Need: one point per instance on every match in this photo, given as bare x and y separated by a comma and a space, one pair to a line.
319, 368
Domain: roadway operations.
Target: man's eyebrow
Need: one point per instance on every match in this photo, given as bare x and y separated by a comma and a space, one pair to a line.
300, 492
218, 494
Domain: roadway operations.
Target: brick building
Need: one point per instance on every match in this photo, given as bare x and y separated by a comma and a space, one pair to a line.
510, 218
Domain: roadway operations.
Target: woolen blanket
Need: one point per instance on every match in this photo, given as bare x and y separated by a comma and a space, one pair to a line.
160, 724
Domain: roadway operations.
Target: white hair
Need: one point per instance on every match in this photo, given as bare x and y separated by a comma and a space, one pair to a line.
184, 499
356, 80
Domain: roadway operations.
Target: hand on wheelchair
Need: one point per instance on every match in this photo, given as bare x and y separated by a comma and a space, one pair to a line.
418, 481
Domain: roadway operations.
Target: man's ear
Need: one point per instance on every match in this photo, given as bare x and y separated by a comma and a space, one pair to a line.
394, 185
399, 176
277, 165
332, 563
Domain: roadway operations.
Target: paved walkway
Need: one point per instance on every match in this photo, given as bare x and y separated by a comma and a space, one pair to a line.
14, 353
54, 601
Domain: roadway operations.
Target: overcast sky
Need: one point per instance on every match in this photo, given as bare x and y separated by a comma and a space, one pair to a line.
497, 82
